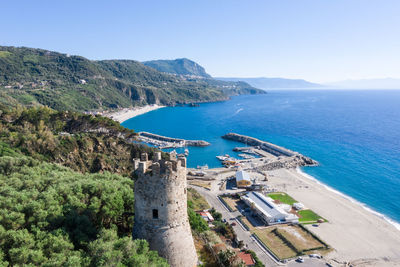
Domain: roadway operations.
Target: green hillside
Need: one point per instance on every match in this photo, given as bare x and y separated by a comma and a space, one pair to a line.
39, 77
78, 214
181, 66
191, 71
67, 191
53, 216
84, 143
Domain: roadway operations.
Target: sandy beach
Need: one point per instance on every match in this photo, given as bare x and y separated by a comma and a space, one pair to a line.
357, 235
127, 113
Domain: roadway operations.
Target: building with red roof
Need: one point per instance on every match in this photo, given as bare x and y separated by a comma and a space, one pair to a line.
246, 258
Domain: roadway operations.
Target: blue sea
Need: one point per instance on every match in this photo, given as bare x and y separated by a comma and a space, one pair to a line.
354, 134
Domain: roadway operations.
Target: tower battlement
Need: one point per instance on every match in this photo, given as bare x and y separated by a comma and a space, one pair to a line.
161, 208
159, 166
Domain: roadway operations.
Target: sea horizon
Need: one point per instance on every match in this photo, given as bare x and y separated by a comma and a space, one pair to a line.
290, 104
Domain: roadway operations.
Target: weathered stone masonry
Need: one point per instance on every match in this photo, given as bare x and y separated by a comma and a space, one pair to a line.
161, 208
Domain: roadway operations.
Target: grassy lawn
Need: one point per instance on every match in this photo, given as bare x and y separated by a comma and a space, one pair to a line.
274, 243
283, 198
308, 216
198, 202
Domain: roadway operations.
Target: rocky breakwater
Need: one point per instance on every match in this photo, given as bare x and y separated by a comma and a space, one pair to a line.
169, 142
287, 163
286, 158
196, 143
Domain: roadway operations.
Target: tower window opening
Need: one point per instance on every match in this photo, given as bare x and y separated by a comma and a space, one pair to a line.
155, 213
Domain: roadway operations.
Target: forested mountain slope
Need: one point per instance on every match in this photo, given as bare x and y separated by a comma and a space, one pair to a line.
189, 70
84, 143
181, 66
79, 214
39, 77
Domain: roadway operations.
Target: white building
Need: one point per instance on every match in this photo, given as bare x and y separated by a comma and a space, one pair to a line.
298, 206
267, 210
242, 179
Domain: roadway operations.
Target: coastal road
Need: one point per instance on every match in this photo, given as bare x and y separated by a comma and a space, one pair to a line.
244, 235
241, 233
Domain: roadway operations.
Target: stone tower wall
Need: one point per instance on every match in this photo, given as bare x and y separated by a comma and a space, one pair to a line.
161, 209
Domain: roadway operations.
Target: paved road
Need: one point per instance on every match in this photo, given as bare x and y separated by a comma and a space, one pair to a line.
244, 235
240, 232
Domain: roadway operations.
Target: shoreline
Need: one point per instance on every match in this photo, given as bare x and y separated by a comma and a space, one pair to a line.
357, 233
351, 199
125, 114
128, 113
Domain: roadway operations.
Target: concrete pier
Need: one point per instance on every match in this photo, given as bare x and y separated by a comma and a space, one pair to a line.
169, 142
266, 146
278, 157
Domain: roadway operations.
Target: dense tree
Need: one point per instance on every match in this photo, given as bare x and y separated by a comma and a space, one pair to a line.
84, 143
197, 223
109, 250
216, 215
228, 258
53, 216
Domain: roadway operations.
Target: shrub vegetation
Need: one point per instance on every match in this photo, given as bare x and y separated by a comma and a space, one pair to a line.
53, 216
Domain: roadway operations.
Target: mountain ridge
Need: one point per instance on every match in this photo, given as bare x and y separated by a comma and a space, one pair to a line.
378, 83
180, 66
190, 70
38, 77
274, 83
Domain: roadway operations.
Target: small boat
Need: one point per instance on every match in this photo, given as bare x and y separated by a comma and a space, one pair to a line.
186, 152
246, 156
204, 167
221, 158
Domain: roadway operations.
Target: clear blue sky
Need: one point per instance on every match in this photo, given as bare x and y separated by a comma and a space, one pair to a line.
318, 40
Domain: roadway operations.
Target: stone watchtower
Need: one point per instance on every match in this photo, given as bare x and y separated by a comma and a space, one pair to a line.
161, 208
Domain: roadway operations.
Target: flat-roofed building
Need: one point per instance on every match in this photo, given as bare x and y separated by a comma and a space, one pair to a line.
242, 179
267, 210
